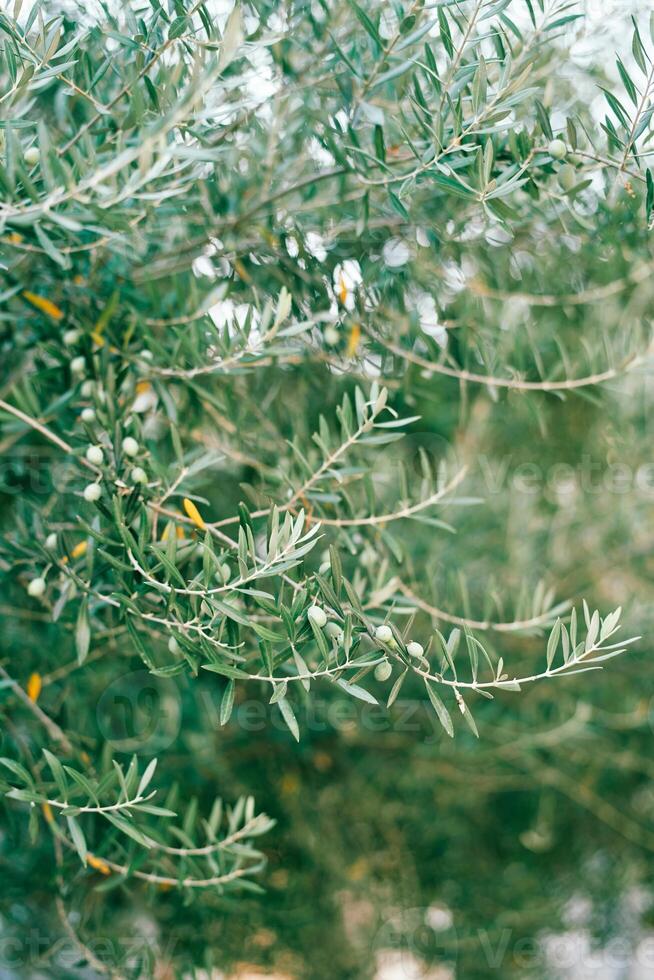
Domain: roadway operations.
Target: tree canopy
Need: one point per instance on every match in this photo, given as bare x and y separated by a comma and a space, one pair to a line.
324, 419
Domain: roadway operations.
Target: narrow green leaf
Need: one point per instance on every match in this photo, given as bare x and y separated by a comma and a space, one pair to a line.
289, 717
442, 713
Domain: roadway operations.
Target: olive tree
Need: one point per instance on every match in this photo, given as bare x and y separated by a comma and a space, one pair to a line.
267, 272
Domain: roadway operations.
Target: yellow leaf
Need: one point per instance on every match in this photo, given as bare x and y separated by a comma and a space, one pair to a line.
98, 864
353, 340
34, 685
96, 333
142, 387
79, 549
43, 304
194, 513
179, 531
342, 291
47, 812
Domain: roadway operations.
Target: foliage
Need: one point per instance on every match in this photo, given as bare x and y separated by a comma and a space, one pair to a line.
401, 220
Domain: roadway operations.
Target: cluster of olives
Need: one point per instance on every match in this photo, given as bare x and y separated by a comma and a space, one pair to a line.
95, 456
567, 175
383, 634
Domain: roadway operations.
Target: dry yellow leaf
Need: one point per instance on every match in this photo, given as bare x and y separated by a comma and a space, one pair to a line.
353, 340
179, 532
34, 685
342, 289
194, 514
79, 549
98, 864
43, 304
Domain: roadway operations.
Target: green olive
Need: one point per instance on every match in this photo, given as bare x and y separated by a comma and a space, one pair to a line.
567, 177
557, 149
